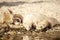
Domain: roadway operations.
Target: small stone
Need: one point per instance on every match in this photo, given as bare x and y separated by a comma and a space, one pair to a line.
11, 32
18, 32
26, 37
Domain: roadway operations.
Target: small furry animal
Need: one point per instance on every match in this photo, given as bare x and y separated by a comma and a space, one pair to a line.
40, 21
29, 19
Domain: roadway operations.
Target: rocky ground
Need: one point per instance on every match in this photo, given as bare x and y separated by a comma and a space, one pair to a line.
50, 8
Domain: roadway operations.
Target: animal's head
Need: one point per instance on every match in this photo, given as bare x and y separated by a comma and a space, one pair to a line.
43, 25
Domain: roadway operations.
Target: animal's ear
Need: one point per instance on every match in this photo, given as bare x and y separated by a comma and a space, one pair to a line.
11, 12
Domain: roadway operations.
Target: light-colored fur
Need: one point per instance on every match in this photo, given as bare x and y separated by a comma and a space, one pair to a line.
41, 21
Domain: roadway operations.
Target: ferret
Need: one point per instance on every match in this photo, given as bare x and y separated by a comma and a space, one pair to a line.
40, 21
29, 19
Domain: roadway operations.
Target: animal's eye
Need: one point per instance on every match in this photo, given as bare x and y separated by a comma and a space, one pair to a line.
17, 20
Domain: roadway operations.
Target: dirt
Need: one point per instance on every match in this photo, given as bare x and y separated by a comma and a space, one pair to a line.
49, 8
